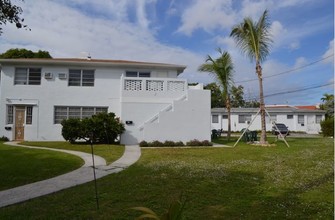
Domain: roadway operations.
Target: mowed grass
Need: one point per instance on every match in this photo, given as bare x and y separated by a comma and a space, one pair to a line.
246, 182
20, 166
109, 152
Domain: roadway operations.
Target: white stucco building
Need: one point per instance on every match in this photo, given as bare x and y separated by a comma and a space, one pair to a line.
37, 94
297, 119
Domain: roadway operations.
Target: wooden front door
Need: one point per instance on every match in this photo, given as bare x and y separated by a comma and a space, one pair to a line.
19, 121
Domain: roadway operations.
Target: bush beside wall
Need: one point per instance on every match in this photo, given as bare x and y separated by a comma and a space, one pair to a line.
174, 144
327, 127
100, 128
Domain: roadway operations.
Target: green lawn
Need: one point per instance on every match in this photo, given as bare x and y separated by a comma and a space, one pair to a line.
20, 166
109, 152
246, 182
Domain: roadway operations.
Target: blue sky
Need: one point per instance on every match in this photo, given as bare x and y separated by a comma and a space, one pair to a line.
184, 32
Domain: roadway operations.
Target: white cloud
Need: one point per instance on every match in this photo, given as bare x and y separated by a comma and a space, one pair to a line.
299, 62
207, 15
254, 9
66, 32
329, 52
278, 33
294, 45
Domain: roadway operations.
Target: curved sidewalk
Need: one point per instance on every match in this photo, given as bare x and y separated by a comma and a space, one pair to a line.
82, 175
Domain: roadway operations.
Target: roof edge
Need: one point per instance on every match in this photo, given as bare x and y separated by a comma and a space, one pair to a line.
89, 62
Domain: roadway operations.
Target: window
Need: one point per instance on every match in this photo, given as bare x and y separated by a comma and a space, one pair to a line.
10, 114
27, 76
301, 119
137, 74
81, 77
29, 115
289, 116
66, 112
318, 119
224, 116
244, 118
215, 119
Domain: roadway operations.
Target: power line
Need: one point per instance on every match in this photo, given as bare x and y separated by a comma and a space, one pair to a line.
299, 90
288, 71
293, 91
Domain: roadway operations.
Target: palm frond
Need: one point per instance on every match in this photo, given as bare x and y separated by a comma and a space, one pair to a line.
253, 39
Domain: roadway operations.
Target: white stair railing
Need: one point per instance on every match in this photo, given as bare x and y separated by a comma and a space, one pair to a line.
165, 109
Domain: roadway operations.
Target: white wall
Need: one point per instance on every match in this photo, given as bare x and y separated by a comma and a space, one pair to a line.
190, 119
310, 126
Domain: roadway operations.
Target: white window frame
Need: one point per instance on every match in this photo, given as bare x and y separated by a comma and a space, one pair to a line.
215, 119
138, 73
29, 115
81, 79
66, 112
301, 119
9, 114
289, 117
244, 118
29, 76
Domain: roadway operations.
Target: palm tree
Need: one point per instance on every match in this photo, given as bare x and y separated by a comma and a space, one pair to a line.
222, 69
254, 40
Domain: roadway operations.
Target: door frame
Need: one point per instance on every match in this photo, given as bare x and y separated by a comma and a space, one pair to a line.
19, 125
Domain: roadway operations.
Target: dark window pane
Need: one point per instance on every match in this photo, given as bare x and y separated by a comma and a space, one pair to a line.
144, 74
131, 74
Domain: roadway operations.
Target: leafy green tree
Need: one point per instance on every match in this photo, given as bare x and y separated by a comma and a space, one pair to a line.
237, 99
252, 104
254, 39
328, 104
10, 13
222, 69
217, 100
100, 128
24, 53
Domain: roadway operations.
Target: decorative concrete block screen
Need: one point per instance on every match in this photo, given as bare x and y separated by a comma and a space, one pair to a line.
133, 85
175, 86
154, 85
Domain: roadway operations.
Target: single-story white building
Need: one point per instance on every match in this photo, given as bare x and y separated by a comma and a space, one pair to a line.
37, 94
296, 118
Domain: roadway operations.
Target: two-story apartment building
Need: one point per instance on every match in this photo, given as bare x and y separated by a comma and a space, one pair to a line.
37, 94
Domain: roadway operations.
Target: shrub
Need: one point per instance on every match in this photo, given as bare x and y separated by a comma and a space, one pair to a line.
169, 144
327, 127
100, 128
206, 143
194, 142
144, 144
179, 143
72, 129
4, 138
156, 144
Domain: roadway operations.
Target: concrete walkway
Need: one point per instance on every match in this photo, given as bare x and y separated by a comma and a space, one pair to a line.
82, 175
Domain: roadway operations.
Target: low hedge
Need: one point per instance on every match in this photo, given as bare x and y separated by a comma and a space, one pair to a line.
156, 143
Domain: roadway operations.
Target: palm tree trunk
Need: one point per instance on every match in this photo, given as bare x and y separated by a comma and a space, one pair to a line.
229, 122
262, 105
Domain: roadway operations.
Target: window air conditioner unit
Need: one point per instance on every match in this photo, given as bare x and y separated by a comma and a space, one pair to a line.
62, 75
48, 75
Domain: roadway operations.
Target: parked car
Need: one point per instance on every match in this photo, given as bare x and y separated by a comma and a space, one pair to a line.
282, 128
